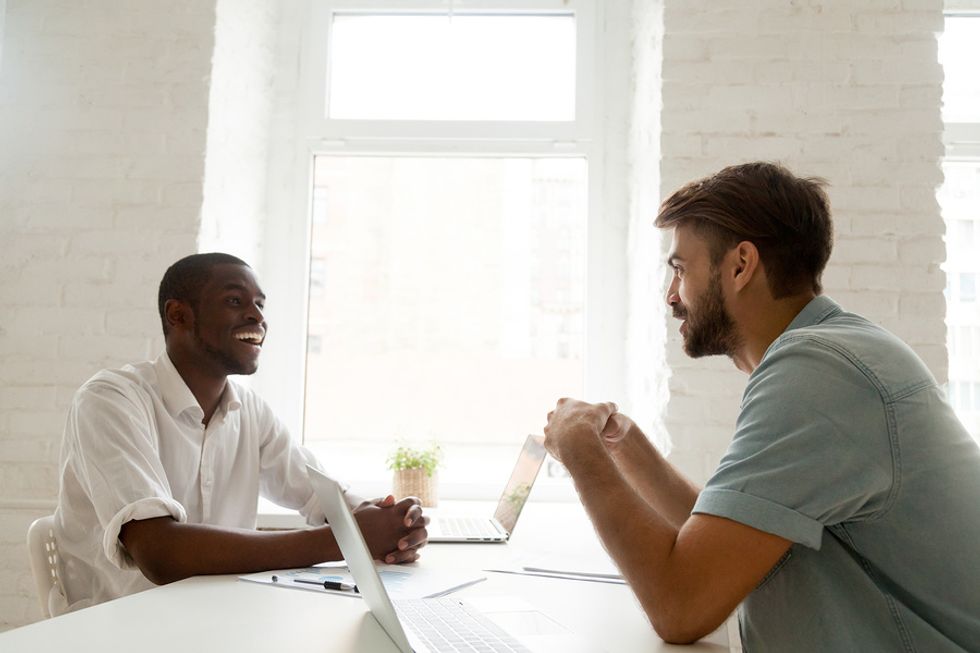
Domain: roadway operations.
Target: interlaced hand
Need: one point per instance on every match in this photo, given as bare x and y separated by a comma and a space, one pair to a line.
394, 530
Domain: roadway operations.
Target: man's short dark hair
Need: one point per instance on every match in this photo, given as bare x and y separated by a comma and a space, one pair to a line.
184, 279
786, 217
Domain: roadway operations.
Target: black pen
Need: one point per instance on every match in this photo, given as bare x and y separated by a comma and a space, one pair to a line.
329, 584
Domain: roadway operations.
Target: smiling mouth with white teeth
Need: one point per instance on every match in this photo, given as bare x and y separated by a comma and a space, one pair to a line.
251, 337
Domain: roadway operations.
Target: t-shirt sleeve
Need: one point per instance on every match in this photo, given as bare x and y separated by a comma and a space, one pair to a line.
115, 453
811, 447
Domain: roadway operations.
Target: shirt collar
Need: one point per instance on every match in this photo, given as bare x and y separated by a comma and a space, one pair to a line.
817, 310
178, 397
230, 399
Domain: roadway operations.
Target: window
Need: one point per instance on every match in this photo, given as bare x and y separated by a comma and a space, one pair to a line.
968, 288
456, 284
429, 66
959, 197
452, 189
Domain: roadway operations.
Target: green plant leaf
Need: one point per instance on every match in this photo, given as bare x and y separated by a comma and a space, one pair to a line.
408, 457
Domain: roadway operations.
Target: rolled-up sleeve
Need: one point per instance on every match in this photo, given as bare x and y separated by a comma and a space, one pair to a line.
147, 508
761, 514
116, 460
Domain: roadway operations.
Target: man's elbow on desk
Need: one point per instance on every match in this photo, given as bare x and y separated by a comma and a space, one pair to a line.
677, 621
146, 543
683, 630
159, 576
685, 605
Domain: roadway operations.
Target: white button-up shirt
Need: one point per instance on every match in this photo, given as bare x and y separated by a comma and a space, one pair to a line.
135, 448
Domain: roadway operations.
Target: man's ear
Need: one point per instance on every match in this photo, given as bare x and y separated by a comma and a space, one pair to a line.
746, 264
179, 314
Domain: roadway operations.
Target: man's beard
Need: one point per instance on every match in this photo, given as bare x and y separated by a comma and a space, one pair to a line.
228, 363
710, 329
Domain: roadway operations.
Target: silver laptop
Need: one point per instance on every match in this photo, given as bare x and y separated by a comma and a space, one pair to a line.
436, 625
445, 528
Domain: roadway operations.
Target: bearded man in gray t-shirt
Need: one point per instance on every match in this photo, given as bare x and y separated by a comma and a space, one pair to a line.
845, 515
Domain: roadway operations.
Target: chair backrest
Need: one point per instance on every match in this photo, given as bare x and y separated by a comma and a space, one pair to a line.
45, 562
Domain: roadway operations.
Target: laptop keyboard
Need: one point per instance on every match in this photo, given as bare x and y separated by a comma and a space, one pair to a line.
444, 624
467, 527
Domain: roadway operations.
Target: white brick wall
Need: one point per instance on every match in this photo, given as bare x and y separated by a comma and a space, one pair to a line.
844, 90
103, 111
646, 371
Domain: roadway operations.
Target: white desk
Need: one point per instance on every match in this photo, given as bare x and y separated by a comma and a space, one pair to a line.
221, 613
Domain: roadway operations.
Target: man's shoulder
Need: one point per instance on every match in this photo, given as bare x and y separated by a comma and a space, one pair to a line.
838, 340
131, 380
839, 329
850, 344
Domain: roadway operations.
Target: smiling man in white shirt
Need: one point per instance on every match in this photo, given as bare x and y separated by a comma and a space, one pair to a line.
163, 461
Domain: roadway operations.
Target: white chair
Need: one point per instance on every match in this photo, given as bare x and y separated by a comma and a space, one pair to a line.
45, 562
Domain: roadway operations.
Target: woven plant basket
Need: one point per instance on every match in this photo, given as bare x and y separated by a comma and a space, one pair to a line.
415, 483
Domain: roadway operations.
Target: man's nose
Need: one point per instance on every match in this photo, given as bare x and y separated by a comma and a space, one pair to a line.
672, 297
254, 312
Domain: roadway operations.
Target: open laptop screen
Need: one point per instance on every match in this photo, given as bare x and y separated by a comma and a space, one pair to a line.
521, 479
358, 556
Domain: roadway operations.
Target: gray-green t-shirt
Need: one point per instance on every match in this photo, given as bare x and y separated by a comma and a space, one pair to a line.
846, 446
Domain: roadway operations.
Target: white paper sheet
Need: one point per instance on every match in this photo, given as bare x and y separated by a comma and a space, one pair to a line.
401, 581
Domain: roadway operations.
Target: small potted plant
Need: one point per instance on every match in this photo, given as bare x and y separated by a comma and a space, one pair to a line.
416, 472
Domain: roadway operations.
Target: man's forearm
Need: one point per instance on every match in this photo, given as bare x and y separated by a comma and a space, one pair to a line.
682, 596
687, 578
641, 543
654, 478
168, 551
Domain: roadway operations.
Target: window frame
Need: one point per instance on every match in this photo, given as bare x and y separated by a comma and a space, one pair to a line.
363, 135
961, 139
314, 134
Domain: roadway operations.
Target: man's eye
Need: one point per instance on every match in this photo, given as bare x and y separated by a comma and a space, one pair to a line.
234, 301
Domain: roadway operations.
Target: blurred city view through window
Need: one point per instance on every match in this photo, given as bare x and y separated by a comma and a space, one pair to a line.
960, 200
959, 197
447, 299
